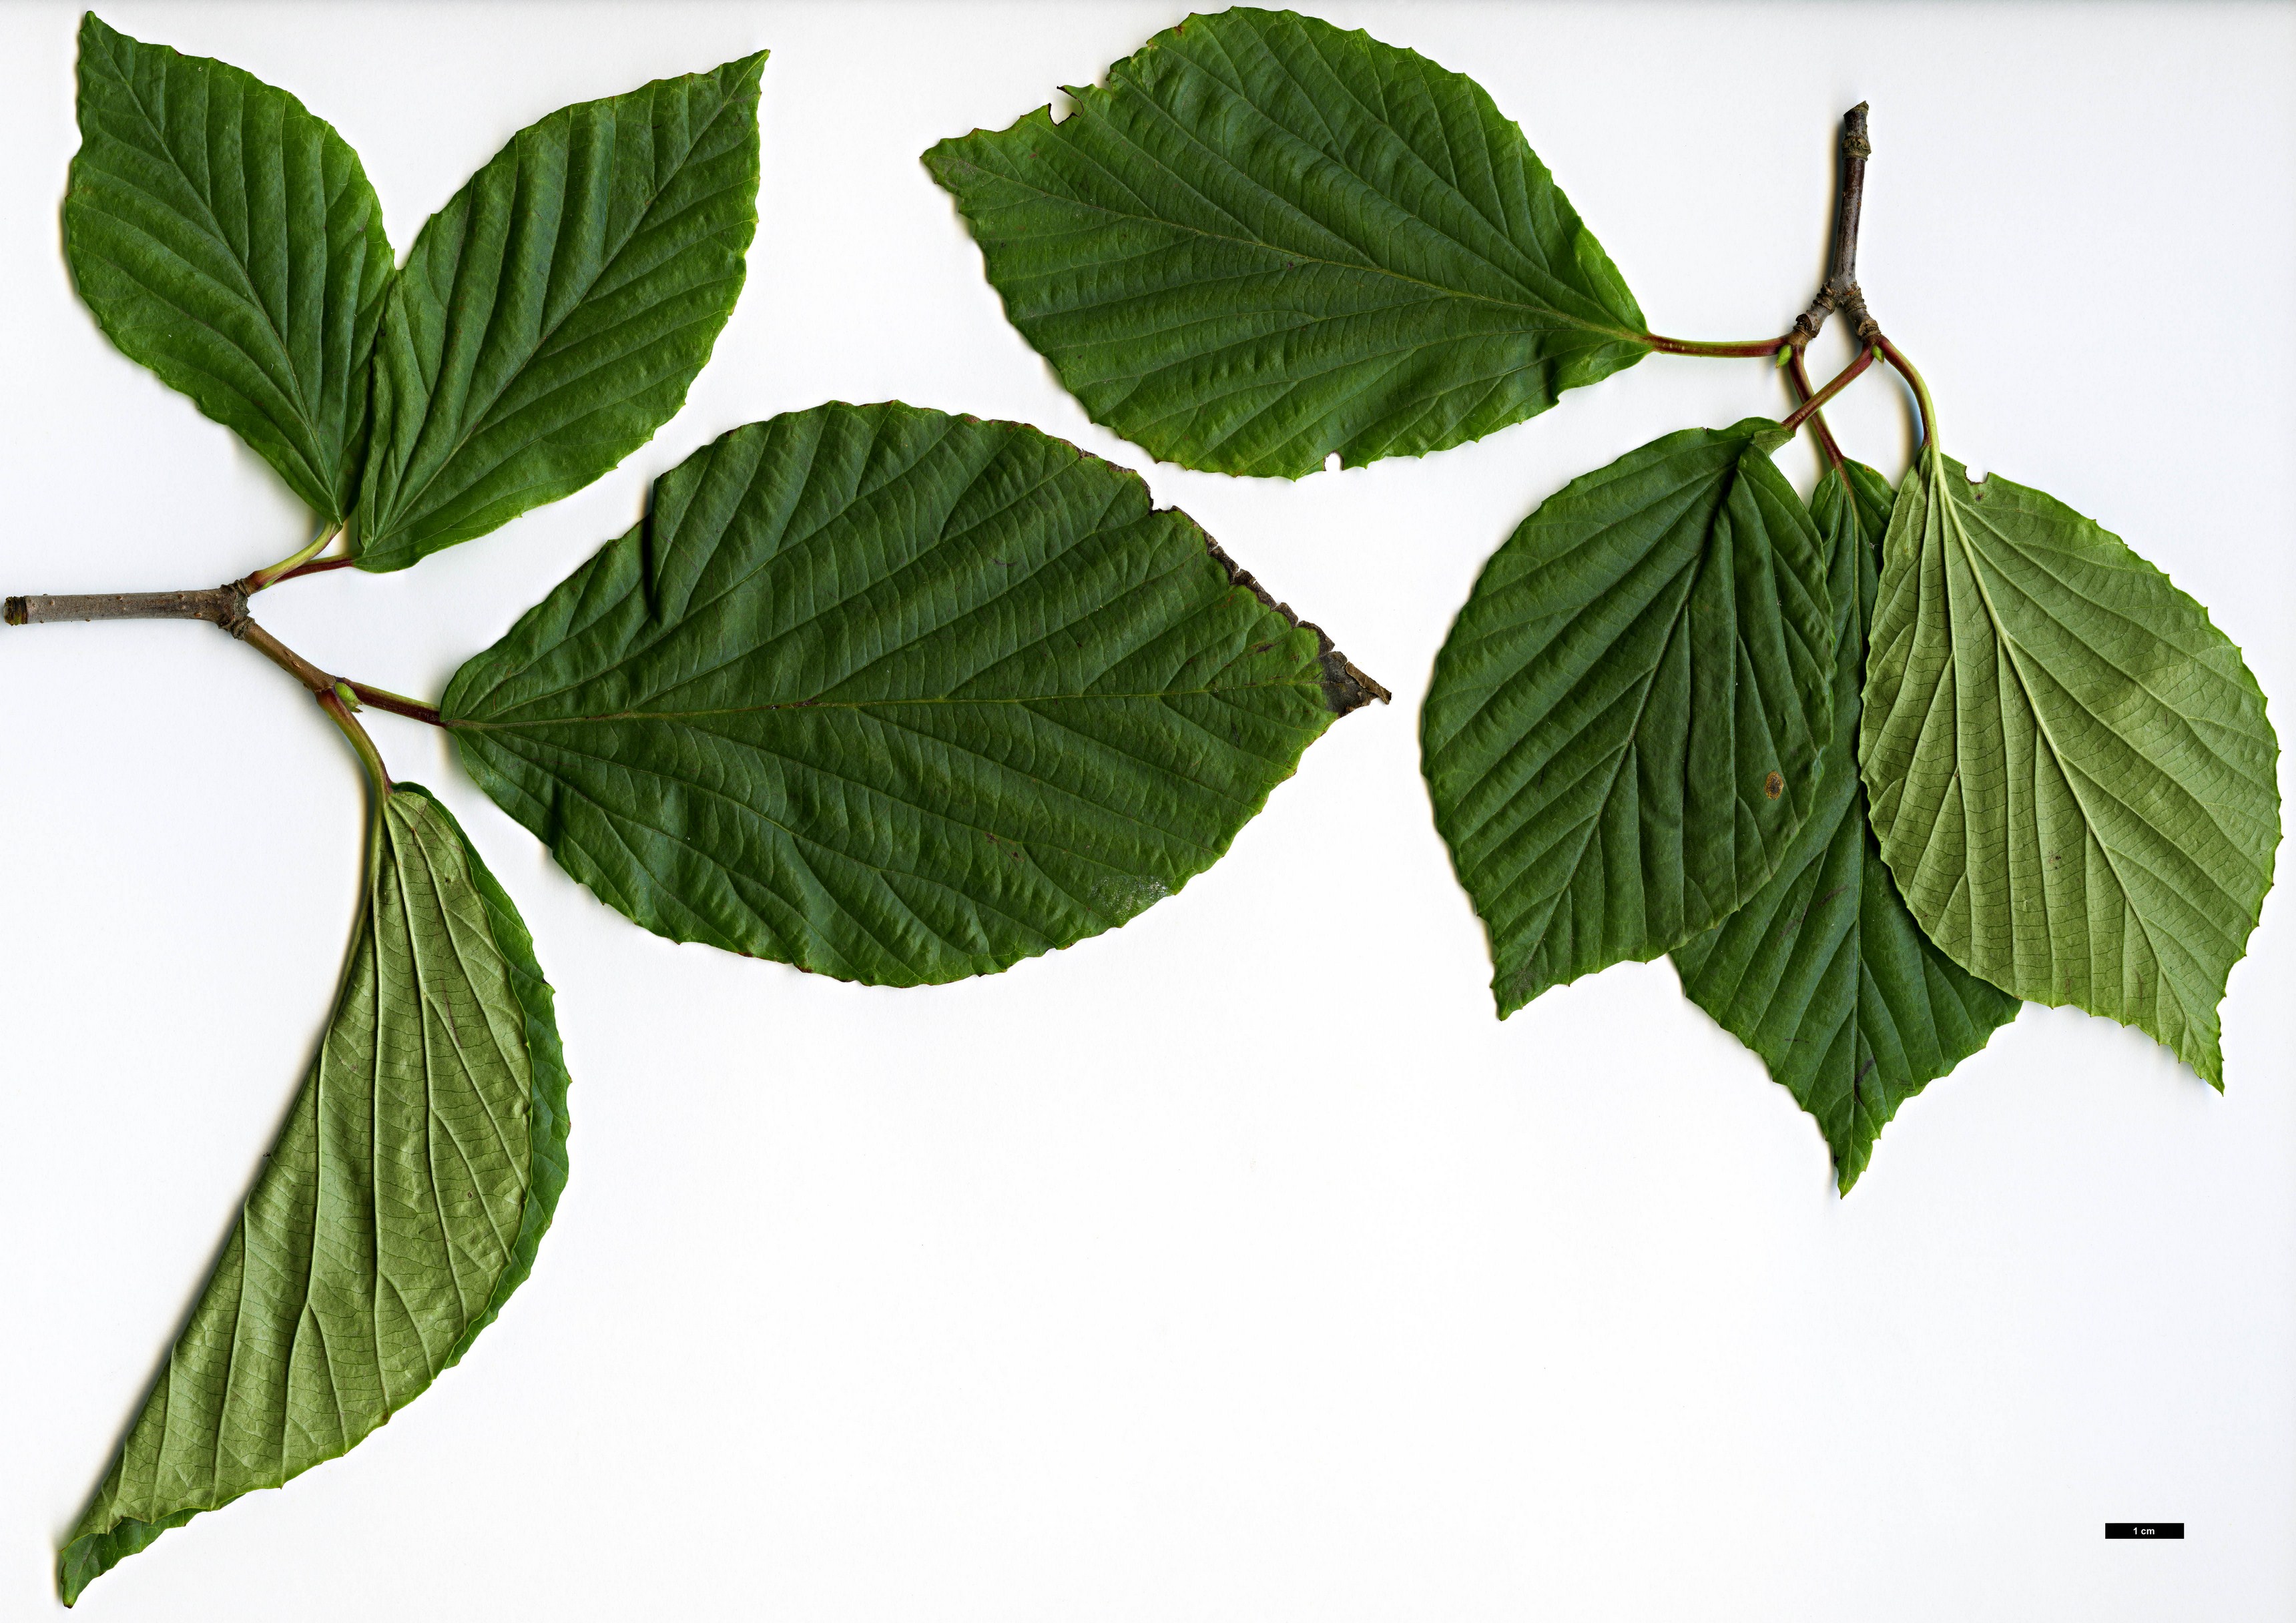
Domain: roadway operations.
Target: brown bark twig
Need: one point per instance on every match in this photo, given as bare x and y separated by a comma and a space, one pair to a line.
224, 606
216, 605
1840, 291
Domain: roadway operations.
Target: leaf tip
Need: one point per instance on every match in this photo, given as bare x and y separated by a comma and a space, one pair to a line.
1347, 687
745, 72
1512, 993
88, 1556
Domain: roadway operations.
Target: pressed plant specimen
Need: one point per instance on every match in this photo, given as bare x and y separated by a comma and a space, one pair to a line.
889, 694
1872, 769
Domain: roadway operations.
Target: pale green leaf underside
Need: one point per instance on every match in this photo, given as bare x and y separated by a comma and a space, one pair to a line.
229, 241
551, 316
1645, 652
1824, 973
2072, 773
895, 696
547, 1122
402, 1202
1267, 240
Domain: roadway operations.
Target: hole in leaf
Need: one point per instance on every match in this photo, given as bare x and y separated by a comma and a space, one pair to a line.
1332, 462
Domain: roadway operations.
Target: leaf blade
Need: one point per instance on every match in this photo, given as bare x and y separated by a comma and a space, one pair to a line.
1824, 973
1268, 240
547, 1119
357, 1198
2071, 770
1638, 666
897, 697
551, 315
228, 240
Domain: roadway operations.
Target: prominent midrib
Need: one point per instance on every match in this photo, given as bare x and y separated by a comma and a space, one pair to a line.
866, 704
1855, 618
215, 230
1235, 92
1689, 574
885, 873
1627, 749
1960, 537
408, 504
1299, 258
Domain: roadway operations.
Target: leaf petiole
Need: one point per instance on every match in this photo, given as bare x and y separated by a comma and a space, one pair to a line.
1750, 348
1896, 358
339, 713
273, 575
1842, 380
324, 687
1799, 374
317, 566
398, 704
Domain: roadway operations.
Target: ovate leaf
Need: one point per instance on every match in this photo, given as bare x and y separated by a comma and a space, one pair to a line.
1268, 240
1824, 973
1623, 731
551, 316
229, 241
400, 1205
2072, 773
895, 696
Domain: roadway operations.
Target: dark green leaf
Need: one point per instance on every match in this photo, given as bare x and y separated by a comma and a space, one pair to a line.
2072, 773
895, 696
1824, 973
547, 1122
1623, 730
1267, 240
401, 1205
551, 316
229, 241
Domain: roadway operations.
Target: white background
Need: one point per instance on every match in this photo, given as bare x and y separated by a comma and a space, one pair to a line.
1238, 1264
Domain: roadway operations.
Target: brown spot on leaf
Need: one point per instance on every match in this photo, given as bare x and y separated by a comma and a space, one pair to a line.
1774, 785
1345, 687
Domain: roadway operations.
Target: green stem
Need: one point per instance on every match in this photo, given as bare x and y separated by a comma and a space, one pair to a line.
279, 571
1891, 354
398, 704
1750, 348
341, 714
321, 687
317, 566
1832, 446
1841, 381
